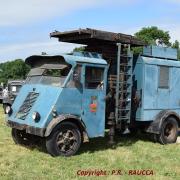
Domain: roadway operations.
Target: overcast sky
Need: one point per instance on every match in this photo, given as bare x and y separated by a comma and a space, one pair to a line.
25, 24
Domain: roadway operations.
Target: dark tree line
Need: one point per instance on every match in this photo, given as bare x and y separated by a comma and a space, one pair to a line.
11, 70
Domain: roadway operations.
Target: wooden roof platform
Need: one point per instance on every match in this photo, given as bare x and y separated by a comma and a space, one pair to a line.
92, 36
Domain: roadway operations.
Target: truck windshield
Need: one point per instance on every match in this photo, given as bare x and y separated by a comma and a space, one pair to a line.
54, 77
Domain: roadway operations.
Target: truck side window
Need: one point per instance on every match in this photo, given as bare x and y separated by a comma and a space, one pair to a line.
163, 77
75, 77
94, 78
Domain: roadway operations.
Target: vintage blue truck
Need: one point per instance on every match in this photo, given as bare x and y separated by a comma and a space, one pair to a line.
69, 98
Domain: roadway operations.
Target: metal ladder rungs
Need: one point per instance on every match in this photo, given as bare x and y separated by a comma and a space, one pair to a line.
125, 100
124, 109
125, 65
123, 81
125, 74
125, 91
125, 55
124, 117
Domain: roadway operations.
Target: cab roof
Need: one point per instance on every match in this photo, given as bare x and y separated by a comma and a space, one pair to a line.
56, 59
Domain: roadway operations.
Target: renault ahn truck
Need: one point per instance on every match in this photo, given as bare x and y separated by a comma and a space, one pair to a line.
68, 99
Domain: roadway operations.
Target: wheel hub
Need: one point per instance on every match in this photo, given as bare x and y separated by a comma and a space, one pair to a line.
168, 130
66, 141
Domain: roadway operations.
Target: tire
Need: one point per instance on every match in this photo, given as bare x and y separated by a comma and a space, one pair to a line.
133, 131
64, 140
169, 131
21, 137
4, 107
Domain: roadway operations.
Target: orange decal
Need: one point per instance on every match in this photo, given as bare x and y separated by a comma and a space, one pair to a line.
93, 107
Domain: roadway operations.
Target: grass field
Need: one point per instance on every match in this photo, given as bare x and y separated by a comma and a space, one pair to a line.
17, 162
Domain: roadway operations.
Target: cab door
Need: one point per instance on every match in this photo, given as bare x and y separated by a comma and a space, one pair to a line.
93, 99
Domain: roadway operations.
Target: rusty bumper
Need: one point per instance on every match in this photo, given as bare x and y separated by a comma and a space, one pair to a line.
28, 129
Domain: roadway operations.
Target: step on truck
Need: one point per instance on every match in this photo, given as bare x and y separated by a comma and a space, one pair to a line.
70, 98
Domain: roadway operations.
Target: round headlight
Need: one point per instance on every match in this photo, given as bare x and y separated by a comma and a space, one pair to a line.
8, 110
36, 116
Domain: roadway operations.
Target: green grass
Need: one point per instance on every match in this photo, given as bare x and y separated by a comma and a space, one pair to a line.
17, 162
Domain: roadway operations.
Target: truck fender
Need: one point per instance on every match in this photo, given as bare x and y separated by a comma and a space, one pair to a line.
155, 126
67, 117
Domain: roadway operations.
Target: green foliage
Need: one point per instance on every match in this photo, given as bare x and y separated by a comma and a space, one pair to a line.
79, 49
178, 54
150, 34
176, 45
137, 50
16, 69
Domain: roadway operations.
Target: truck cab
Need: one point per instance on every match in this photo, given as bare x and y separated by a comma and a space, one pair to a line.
63, 100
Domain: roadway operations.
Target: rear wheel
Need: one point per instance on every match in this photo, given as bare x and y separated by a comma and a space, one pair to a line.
133, 131
21, 137
169, 131
65, 140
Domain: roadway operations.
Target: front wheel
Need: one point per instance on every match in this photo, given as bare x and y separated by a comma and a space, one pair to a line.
65, 140
169, 131
21, 137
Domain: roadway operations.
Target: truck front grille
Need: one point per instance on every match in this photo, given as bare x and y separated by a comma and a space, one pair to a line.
27, 105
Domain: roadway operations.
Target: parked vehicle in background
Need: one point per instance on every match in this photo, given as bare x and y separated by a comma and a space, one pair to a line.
11, 91
1, 94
